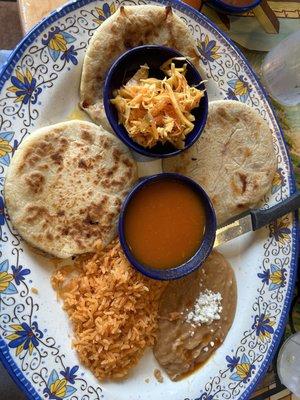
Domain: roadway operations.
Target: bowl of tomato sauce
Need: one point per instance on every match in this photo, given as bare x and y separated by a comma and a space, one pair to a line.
167, 226
234, 6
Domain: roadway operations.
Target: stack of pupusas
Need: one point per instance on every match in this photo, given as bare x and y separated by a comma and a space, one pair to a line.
66, 183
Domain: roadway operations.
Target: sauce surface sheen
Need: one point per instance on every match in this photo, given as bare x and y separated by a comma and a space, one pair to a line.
164, 224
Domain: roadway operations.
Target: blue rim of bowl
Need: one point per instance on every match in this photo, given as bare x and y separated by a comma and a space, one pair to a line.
7, 360
233, 9
114, 124
205, 247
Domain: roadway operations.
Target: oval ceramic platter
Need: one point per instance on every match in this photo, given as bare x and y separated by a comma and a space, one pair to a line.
39, 86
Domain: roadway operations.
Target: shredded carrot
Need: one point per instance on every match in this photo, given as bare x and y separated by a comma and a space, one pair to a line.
158, 110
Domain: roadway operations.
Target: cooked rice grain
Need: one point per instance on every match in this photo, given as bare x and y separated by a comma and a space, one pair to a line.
113, 309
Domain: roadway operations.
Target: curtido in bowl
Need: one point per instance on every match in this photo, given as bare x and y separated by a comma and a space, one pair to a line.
155, 101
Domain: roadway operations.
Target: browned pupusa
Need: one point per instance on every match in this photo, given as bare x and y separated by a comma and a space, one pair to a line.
129, 26
65, 185
234, 158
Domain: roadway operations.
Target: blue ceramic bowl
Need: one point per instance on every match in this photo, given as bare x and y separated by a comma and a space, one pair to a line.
205, 247
120, 73
222, 6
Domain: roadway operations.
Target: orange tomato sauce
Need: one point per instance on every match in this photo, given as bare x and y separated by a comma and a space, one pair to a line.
164, 224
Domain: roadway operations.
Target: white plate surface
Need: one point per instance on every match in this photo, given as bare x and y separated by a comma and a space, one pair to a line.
39, 86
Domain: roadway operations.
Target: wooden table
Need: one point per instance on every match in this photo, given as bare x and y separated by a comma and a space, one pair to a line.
31, 12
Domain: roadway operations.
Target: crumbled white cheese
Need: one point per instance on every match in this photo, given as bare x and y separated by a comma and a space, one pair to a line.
207, 308
205, 349
212, 344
